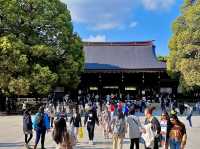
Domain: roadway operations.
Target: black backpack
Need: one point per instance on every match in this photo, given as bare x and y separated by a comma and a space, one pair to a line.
119, 127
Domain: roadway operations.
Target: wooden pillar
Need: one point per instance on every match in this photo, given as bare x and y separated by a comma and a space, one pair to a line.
122, 83
100, 85
159, 82
143, 81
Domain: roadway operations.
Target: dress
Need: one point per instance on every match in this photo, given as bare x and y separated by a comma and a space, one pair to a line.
105, 121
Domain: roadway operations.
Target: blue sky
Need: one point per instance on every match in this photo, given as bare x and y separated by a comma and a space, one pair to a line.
125, 20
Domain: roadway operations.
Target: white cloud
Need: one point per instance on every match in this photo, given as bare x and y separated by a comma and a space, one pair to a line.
157, 4
110, 14
133, 24
106, 26
97, 38
101, 14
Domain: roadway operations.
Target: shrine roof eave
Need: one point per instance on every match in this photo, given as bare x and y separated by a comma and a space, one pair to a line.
152, 70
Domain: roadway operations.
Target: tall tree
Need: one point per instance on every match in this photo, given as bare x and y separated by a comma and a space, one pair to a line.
184, 57
162, 58
38, 48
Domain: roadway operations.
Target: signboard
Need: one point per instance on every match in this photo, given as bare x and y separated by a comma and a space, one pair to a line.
93, 88
130, 88
59, 89
166, 90
111, 87
143, 92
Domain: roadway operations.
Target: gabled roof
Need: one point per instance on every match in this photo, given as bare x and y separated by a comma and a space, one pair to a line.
121, 56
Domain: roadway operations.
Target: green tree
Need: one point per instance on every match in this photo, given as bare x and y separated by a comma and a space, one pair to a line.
184, 57
38, 48
162, 58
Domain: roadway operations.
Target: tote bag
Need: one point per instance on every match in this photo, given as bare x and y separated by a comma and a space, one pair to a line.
81, 133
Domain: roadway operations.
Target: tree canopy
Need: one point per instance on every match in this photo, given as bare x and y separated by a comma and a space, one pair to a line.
38, 47
162, 58
184, 57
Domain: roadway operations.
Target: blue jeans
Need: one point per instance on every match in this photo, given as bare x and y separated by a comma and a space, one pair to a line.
40, 132
174, 144
189, 119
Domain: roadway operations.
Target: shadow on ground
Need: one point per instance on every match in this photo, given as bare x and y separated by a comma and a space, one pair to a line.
16, 144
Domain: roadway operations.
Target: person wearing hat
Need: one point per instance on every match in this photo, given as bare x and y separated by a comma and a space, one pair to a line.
91, 119
177, 134
173, 112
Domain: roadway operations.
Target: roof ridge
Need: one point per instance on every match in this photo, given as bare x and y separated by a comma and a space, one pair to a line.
129, 43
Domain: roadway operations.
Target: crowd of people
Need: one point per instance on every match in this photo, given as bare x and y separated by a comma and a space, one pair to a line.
116, 117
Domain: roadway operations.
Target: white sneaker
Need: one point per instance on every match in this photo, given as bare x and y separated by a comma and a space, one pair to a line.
91, 142
26, 145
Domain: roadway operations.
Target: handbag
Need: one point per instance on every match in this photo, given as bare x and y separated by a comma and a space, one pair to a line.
81, 133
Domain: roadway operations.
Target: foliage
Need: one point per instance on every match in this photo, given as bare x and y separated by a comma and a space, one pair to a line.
184, 57
38, 48
162, 58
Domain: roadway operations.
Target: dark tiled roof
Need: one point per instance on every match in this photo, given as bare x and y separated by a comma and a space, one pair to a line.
121, 56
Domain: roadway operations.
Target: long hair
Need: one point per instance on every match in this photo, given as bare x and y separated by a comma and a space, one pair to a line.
174, 116
150, 110
165, 113
60, 134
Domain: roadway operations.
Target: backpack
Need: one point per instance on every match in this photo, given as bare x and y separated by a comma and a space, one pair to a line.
39, 120
119, 128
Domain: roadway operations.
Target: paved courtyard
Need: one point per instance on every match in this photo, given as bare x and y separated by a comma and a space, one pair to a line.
11, 136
